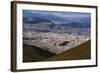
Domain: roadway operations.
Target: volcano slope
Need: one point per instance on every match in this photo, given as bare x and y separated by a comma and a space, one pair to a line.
82, 51
34, 54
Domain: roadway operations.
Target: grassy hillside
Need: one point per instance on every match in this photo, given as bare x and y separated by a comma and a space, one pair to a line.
32, 53
82, 51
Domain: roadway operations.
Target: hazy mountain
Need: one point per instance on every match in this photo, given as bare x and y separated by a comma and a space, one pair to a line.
82, 19
57, 22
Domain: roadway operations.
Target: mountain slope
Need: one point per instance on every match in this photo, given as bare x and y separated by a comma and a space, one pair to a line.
32, 53
80, 52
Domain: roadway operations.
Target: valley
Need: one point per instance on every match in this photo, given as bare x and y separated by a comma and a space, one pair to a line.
53, 42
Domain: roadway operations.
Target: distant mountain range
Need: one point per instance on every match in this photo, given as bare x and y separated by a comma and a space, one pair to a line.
43, 25
61, 22
59, 17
